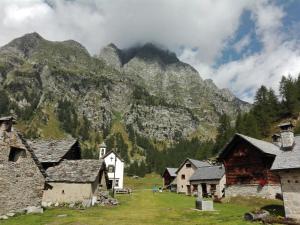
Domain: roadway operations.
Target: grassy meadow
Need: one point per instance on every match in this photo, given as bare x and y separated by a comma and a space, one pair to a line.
144, 207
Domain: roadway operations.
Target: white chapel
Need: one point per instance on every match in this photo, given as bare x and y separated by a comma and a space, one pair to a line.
114, 164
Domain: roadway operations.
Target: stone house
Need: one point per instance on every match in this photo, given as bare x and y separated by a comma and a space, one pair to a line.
248, 164
169, 179
287, 165
209, 181
114, 166
185, 171
75, 181
22, 177
52, 152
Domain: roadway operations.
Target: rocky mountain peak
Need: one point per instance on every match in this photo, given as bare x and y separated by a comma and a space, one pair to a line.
112, 55
24, 45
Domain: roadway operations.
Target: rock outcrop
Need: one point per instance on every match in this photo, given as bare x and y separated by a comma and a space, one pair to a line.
147, 87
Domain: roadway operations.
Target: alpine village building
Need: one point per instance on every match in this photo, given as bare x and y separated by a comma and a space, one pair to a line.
185, 171
287, 165
114, 166
22, 177
248, 163
45, 171
169, 179
209, 181
75, 181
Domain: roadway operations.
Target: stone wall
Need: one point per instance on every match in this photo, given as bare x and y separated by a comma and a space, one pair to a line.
63, 192
220, 185
21, 181
290, 181
182, 184
268, 191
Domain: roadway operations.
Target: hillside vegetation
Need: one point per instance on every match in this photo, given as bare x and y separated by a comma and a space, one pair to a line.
143, 101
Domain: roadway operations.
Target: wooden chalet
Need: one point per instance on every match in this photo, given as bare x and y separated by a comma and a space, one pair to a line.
169, 178
248, 164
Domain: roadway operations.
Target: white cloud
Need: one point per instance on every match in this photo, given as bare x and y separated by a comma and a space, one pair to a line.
199, 30
242, 43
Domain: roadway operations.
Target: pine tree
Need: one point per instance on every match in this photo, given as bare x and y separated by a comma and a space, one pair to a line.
225, 133
289, 94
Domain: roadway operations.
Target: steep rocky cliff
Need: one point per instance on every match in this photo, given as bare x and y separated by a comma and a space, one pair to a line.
145, 88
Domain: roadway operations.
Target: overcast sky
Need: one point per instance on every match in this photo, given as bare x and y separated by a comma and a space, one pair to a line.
240, 44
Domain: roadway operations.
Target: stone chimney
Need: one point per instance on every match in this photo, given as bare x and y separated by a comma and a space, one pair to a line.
276, 139
6, 124
287, 136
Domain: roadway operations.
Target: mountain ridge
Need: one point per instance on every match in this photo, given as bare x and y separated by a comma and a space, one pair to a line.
146, 89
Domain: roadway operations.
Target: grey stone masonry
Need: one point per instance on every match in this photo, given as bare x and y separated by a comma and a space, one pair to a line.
268, 191
290, 182
21, 177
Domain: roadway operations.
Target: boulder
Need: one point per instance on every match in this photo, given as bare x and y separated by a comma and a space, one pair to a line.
34, 209
10, 214
3, 217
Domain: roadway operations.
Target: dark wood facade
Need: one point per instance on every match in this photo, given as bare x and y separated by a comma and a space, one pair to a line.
246, 164
167, 178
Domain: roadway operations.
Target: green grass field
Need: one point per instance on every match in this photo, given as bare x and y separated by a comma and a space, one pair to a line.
144, 207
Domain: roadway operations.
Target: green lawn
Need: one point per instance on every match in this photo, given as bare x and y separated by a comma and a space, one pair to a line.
144, 207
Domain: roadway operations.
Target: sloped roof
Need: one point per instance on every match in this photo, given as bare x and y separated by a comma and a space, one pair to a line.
112, 151
263, 146
7, 118
199, 163
33, 155
51, 150
103, 145
172, 171
288, 159
195, 162
75, 171
208, 173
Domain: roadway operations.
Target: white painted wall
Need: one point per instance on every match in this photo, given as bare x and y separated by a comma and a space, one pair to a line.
110, 160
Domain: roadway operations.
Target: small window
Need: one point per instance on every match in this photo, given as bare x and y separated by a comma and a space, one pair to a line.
116, 183
188, 165
16, 154
111, 168
182, 177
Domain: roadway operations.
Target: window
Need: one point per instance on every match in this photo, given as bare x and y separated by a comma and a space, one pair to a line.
182, 177
117, 183
188, 165
16, 154
111, 168
102, 152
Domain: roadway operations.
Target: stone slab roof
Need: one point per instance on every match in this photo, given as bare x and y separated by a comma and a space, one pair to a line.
51, 150
7, 118
288, 159
75, 171
172, 171
263, 146
199, 163
33, 155
208, 173
195, 162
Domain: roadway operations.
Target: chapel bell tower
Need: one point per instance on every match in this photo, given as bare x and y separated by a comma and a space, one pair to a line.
102, 150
